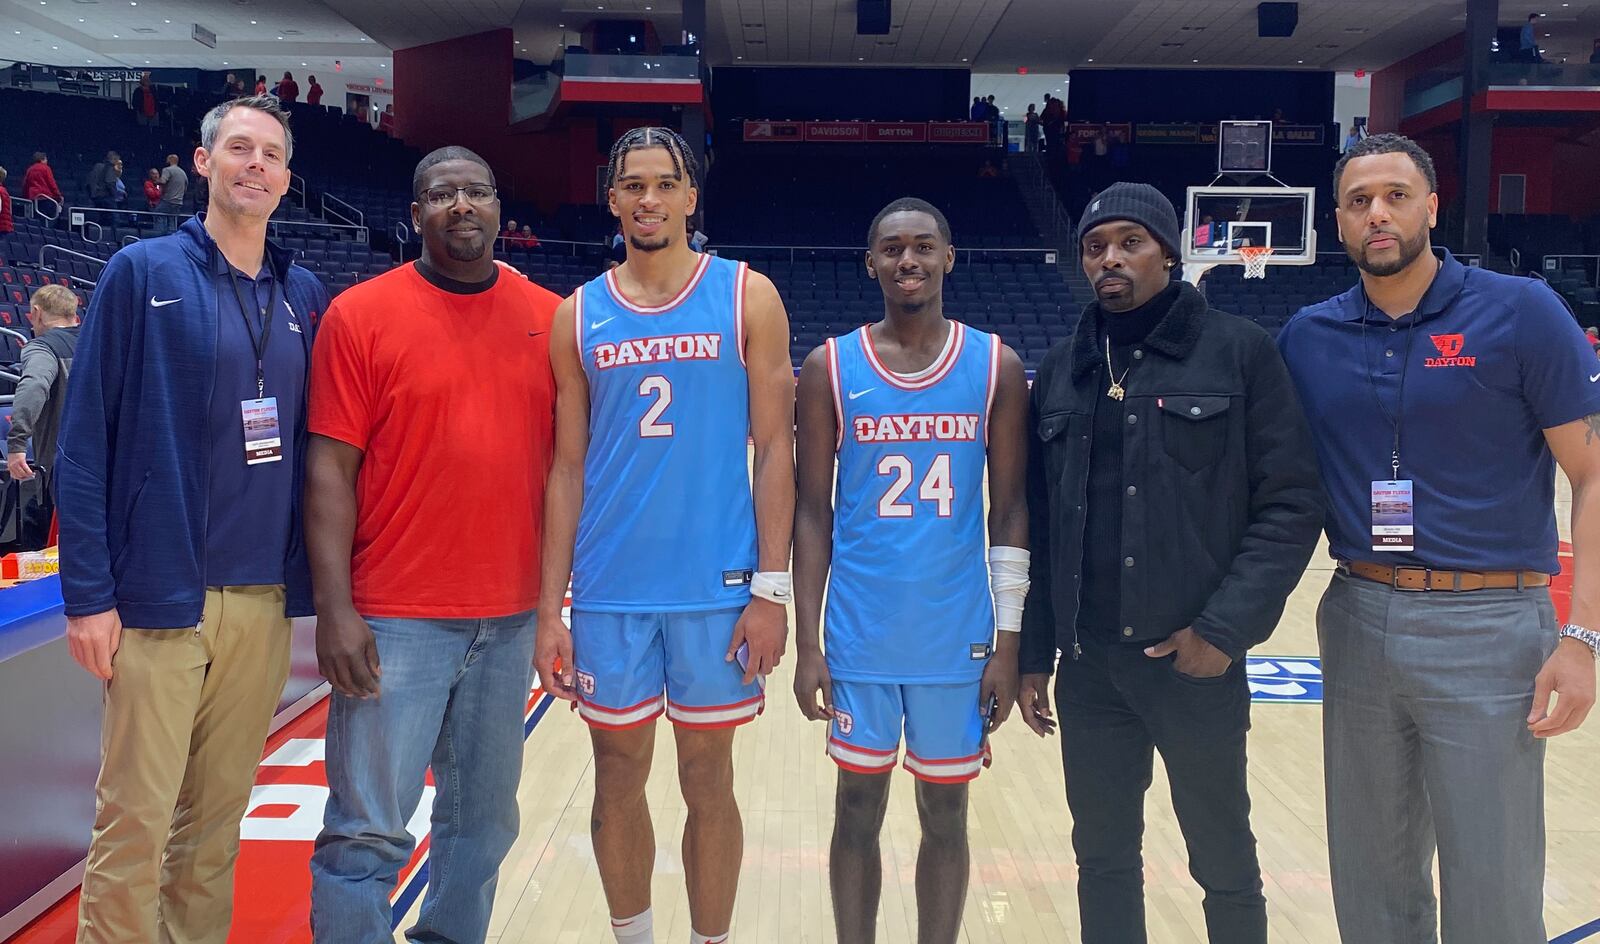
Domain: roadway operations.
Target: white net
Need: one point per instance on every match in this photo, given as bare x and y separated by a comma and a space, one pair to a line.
1255, 261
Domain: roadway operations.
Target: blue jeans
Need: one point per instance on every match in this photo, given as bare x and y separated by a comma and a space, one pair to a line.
454, 695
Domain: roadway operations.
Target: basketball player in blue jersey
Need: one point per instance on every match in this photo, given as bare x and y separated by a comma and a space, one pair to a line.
914, 408
665, 366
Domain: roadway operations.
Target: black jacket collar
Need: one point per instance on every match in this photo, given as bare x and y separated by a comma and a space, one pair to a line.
1174, 335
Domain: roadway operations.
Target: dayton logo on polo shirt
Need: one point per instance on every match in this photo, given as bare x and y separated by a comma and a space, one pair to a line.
1449, 346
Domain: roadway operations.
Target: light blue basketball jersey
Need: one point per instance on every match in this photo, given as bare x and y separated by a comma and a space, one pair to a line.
908, 593
668, 523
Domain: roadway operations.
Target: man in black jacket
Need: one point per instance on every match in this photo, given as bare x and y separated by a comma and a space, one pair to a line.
1174, 502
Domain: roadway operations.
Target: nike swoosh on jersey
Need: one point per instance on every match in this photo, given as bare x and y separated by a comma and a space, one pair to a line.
597, 325
856, 394
162, 304
1596, 377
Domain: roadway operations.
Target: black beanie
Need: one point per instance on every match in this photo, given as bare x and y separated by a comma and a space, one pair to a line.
1139, 203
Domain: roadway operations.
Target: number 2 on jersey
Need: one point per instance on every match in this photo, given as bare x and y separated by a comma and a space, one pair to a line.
936, 486
650, 426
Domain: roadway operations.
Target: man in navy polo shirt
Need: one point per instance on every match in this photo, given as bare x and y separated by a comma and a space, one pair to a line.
1441, 398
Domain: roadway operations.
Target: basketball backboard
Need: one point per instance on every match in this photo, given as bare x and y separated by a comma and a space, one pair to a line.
1219, 222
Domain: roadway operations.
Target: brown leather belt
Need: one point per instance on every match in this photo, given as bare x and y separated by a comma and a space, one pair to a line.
1449, 581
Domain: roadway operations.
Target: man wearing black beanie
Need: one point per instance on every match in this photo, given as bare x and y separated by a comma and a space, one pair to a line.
1174, 501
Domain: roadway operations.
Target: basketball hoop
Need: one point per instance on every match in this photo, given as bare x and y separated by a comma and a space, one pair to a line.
1255, 260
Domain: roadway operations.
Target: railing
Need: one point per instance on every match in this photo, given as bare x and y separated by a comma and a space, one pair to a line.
99, 228
630, 68
1589, 265
25, 205
1516, 260
47, 207
298, 191
402, 236
1544, 75
1043, 254
361, 232
91, 283
129, 239
355, 218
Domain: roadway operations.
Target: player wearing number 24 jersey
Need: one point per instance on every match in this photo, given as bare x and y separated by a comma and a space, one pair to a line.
678, 549
913, 410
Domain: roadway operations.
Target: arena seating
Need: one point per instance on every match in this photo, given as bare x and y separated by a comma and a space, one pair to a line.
817, 199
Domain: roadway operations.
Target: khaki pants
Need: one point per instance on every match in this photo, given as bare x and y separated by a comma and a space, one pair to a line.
186, 717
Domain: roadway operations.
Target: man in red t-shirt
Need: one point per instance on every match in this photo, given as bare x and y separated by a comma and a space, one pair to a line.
432, 419
314, 93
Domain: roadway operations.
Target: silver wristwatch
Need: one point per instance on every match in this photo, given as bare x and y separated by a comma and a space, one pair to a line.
1588, 637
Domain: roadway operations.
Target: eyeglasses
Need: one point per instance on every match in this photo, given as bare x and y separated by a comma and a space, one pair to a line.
441, 197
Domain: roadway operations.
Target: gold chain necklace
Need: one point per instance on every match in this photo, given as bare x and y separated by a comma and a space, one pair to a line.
1115, 391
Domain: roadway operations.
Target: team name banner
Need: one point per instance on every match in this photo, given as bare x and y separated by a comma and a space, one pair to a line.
868, 132
1207, 134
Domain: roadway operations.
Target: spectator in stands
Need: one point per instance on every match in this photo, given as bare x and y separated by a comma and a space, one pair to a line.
1030, 130
232, 87
152, 189
119, 187
144, 101
1154, 642
102, 181
174, 187
46, 362
1593, 334
314, 93
6, 223
261, 85
510, 232
40, 180
288, 89
980, 109
178, 486
526, 239
386, 120
416, 661
1054, 117
1528, 42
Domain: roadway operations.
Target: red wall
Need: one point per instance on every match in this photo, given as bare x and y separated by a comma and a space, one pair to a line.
459, 92
1389, 84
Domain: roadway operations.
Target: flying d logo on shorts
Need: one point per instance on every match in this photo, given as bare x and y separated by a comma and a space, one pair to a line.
586, 683
843, 721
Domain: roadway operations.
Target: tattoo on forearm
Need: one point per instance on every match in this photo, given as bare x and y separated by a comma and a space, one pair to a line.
1592, 424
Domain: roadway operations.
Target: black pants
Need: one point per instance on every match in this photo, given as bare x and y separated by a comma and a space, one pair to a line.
1116, 704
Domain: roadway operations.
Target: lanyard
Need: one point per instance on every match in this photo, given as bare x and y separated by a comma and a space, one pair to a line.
1397, 419
259, 345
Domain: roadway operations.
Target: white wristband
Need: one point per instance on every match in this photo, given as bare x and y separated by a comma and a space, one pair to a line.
774, 585
1008, 583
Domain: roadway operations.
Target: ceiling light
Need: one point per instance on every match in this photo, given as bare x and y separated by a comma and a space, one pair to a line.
80, 20
166, 21
1194, 60
52, 47
861, 59
738, 57
18, 32
302, 63
252, 22
1091, 60
1301, 61
115, 36
383, 65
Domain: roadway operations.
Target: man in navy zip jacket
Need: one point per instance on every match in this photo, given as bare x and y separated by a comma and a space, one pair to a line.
179, 481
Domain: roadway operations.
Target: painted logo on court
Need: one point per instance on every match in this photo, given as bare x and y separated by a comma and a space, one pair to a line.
843, 721
1285, 679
